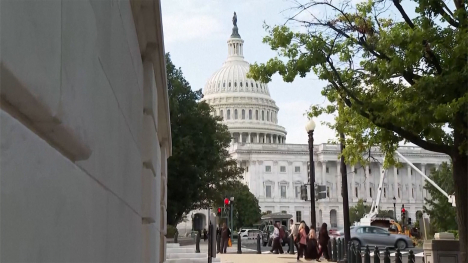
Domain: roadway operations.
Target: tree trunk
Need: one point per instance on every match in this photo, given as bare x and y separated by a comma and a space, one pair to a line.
460, 177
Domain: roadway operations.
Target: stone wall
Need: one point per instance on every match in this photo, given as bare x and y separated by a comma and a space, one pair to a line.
85, 131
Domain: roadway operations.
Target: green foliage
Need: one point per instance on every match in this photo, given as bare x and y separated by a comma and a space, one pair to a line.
246, 209
443, 215
391, 80
454, 232
171, 231
358, 211
200, 168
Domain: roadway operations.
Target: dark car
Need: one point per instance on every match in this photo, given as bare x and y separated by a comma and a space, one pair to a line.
267, 235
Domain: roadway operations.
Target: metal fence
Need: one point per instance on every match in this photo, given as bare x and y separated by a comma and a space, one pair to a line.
339, 251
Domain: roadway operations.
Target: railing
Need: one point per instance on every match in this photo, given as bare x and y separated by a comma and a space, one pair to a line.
352, 253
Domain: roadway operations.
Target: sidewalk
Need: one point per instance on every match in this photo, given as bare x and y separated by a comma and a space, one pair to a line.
261, 258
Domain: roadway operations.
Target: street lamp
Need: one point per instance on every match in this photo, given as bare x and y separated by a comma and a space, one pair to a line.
394, 208
310, 127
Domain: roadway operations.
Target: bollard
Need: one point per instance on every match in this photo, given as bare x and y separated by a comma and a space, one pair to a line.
351, 255
197, 245
411, 257
367, 255
376, 255
398, 257
291, 245
348, 254
176, 236
330, 249
358, 254
387, 256
239, 248
259, 248
334, 256
340, 252
218, 242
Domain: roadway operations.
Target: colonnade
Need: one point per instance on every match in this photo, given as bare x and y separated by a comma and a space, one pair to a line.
258, 137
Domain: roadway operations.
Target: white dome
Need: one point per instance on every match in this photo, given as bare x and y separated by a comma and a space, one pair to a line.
244, 104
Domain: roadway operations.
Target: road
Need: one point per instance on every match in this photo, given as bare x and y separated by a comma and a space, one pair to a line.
252, 248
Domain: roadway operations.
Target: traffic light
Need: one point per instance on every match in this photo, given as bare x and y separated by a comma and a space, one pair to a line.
409, 220
320, 192
226, 201
403, 213
219, 211
304, 192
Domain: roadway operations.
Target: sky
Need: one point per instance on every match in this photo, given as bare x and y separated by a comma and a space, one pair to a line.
196, 31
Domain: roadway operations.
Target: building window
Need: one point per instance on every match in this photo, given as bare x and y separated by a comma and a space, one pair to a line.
356, 192
228, 114
282, 169
243, 114
298, 216
229, 84
268, 212
284, 212
370, 170
385, 192
247, 169
268, 191
327, 170
235, 114
256, 115
297, 169
370, 192
398, 192
268, 169
250, 114
263, 115
411, 171
283, 191
397, 171
328, 191
412, 192
221, 114
298, 191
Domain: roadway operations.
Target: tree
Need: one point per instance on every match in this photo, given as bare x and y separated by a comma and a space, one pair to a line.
200, 168
442, 214
358, 211
399, 80
246, 209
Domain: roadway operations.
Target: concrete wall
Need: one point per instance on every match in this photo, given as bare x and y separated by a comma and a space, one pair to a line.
85, 131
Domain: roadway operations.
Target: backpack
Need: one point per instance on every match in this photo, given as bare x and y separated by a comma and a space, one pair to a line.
281, 233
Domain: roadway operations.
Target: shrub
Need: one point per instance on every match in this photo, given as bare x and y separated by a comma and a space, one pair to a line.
454, 232
171, 230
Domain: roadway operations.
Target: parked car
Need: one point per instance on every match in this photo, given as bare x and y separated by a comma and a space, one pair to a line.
252, 233
376, 236
267, 238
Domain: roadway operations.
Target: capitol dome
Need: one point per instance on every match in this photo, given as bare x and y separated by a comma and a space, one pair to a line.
245, 104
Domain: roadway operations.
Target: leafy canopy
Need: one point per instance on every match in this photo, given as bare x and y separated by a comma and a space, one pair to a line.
200, 168
443, 215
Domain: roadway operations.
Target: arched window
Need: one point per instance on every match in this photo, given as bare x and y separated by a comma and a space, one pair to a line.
243, 114
356, 192
250, 114
263, 115
229, 84
235, 84
251, 84
235, 114
228, 117
224, 84
221, 114
256, 115
240, 84
385, 192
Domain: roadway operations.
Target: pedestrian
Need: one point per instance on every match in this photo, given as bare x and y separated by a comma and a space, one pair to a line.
205, 235
225, 235
276, 246
302, 237
294, 230
307, 229
323, 242
312, 250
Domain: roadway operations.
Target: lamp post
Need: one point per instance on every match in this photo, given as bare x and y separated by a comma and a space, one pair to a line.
394, 208
310, 126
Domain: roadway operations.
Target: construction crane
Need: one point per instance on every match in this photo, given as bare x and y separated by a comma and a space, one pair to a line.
372, 215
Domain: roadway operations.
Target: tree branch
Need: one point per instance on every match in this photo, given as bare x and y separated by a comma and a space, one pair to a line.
403, 13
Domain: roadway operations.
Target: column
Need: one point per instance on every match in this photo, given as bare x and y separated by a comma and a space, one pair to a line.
258, 137
324, 171
264, 138
368, 198
353, 184
338, 181
249, 136
382, 171
240, 136
395, 183
410, 184
423, 191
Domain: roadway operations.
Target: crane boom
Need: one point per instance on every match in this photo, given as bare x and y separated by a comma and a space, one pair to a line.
451, 198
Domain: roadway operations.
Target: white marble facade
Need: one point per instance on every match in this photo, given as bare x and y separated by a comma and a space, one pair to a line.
85, 131
275, 172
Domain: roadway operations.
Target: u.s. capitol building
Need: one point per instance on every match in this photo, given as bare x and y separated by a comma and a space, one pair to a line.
275, 170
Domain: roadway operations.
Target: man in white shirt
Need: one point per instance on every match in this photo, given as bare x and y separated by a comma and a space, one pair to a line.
293, 230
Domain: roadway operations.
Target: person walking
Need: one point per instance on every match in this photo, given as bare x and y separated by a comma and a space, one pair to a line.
294, 231
276, 246
307, 229
312, 250
323, 242
225, 235
205, 235
302, 237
